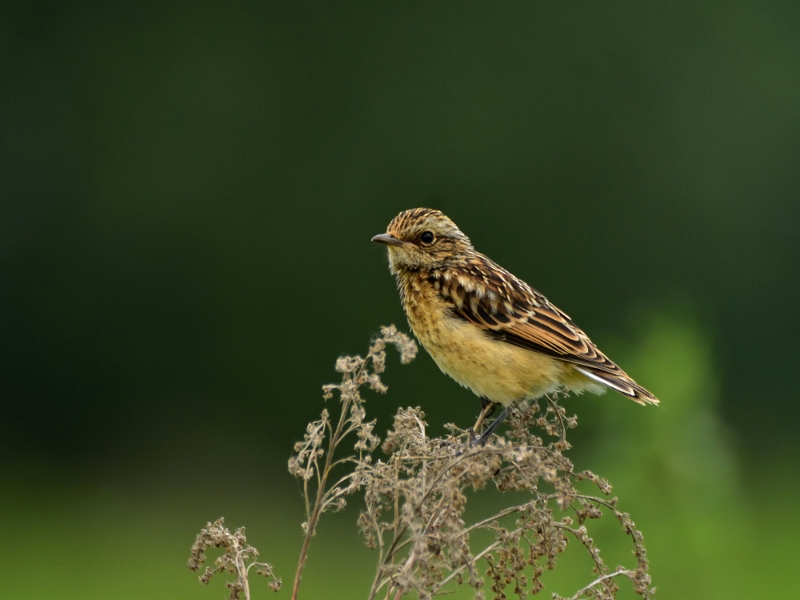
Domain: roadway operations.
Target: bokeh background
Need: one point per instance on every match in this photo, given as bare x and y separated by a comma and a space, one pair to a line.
187, 193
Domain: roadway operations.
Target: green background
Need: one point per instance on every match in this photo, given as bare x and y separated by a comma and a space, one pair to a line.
187, 193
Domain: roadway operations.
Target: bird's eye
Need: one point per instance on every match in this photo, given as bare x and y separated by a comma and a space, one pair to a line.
426, 238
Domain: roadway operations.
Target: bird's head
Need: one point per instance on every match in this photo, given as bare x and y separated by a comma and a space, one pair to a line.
423, 238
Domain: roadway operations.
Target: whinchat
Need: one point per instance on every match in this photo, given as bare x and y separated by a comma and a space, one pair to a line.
486, 328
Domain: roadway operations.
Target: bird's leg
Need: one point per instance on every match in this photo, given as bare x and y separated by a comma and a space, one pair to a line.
487, 408
495, 424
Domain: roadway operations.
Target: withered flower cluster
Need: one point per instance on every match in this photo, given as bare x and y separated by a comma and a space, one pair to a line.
237, 559
416, 488
416, 502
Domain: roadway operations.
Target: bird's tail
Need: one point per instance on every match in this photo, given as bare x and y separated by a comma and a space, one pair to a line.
621, 383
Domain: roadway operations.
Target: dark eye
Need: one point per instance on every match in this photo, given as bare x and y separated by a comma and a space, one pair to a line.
426, 238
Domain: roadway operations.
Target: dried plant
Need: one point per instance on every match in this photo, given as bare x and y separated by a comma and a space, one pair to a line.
416, 501
305, 463
237, 559
415, 496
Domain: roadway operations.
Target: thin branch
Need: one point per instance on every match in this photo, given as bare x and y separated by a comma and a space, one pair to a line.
626, 572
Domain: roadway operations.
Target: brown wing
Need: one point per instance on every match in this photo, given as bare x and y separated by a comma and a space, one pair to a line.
509, 310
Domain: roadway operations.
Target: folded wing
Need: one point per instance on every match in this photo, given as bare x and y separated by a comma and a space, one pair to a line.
511, 311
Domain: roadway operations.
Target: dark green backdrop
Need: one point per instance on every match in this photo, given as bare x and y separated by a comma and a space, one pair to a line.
187, 193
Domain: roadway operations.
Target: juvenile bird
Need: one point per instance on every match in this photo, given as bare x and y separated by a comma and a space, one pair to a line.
486, 328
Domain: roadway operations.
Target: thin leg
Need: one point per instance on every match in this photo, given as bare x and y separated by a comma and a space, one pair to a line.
490, 430
487, 408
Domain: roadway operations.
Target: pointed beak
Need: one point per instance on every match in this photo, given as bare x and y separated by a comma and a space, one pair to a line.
389, 240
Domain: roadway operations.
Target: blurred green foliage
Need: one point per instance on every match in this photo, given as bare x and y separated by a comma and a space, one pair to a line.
187, 193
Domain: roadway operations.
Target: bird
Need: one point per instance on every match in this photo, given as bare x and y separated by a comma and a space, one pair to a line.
487, 329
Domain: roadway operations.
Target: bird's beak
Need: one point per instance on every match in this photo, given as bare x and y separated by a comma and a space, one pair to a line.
389, 240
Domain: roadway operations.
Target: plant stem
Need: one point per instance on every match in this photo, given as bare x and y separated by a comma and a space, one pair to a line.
322, 482
599, 580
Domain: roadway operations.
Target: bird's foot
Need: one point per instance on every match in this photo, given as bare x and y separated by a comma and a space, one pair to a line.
487, 409
491, 429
